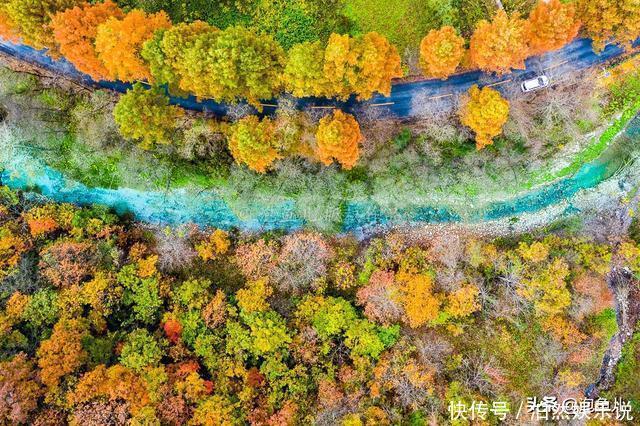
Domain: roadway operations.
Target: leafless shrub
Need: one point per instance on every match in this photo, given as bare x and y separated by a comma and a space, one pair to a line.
302, 260
111, 413
173, 248
510, 303
433, 349
93, 120
429, 108
377, 134
411, 57
554, 111
448, 249
201, 140
476, 371
239, 110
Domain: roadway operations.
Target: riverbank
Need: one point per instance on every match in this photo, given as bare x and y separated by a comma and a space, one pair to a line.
604, 178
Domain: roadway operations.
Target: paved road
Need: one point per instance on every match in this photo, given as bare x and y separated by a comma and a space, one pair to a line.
406, 100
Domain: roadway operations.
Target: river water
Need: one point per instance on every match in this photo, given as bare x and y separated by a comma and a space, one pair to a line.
206, 208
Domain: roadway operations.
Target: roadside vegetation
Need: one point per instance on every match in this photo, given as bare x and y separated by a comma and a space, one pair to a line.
183, 49
109, 319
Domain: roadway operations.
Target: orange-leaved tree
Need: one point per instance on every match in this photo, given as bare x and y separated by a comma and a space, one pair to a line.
552, 24
500, 45
115, 382
20, 390
441, 51
252, 142
338, 137
8, 29
379, 63
75, 33
421, 304
31, 19
485, 111
119, 42
62, 353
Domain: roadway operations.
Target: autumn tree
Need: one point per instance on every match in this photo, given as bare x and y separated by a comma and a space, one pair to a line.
144, 114
119, 43
629, 30
421, 304
67, 263
333, 317
62, 353
546, 287
252, 142
214, 410
304, 72
8, 29
380, 298
75, 32
31, 19
441, 51
500, 45
378, 63
485, 111
48, 218
19, 390
253, 297
141, 295
165, 52
463, 301
12, 246
113, 383
552, 24
338, 138
604, 20
232, 64
140, 350
214, 246
256, 259
362, 65
215, 312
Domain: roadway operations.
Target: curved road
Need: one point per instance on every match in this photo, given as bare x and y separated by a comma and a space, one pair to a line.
406, 100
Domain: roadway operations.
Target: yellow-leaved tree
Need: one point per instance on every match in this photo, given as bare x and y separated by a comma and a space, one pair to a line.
8, 29
252, 142
31, 18
361, 65
605, 20
485, 112
441, 51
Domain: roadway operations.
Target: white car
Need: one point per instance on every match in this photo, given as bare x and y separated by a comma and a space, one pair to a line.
535, 84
